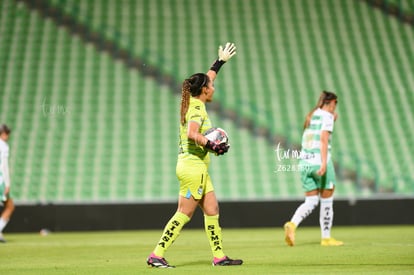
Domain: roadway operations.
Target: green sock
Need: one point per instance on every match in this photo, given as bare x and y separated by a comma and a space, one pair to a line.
171, 232
213, 231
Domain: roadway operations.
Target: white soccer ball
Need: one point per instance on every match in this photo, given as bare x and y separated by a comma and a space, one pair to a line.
217, 135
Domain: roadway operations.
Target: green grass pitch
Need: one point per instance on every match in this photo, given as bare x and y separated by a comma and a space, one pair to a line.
367, 250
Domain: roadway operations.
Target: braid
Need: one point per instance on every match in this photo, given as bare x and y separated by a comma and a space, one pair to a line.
185, 100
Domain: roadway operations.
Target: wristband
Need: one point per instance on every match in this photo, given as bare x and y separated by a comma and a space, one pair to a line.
217, 65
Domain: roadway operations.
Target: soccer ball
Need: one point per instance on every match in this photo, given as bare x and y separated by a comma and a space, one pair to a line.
217, 135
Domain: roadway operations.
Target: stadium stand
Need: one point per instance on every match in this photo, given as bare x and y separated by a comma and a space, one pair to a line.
91, 125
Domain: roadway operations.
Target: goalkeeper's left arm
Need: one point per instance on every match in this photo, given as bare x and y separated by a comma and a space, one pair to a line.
224, 55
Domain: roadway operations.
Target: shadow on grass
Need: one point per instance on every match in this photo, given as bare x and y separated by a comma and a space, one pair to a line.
193, 263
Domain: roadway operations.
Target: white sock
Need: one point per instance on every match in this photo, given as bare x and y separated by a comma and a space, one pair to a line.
305, 209
326, 217
3, 224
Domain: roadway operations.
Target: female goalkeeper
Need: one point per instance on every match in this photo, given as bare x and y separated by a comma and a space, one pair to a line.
317, 170
196, 188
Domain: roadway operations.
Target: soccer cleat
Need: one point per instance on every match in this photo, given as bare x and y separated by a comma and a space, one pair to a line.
290, 229
154, 261
2, 240
331, 242
226, 261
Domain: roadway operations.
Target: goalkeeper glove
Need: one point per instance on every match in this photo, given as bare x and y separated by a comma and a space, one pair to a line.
219, 149
224, 54
228, 52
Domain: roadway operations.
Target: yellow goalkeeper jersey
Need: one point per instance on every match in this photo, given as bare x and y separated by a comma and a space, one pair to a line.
188, 149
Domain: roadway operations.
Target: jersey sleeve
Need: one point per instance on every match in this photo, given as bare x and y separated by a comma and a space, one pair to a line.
195, 114
4, 151
4, 160
327, 122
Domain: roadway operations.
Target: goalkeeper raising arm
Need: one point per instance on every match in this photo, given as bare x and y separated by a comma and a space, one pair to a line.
196, 188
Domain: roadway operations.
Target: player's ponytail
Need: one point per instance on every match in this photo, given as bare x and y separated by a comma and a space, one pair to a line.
185, 99
324, 98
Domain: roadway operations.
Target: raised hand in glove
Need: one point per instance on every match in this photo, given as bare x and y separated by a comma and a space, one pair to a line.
228, 52
224, 54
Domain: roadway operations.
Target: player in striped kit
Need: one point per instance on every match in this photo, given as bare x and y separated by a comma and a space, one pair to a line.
5, 180
317, 170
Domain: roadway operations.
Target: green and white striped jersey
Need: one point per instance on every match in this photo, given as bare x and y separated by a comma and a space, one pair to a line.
4, 166
311, 146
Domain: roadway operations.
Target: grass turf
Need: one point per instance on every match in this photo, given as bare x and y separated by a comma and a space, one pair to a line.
368, 250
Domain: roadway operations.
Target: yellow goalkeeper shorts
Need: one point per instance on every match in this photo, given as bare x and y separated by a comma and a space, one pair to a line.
194, 179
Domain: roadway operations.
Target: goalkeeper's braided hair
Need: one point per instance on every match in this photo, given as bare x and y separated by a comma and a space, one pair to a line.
185, 100
191, 87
